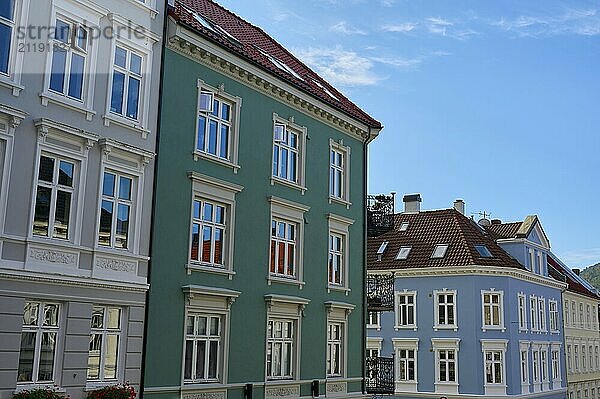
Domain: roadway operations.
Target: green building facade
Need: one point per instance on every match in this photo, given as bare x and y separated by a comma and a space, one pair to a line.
258, 268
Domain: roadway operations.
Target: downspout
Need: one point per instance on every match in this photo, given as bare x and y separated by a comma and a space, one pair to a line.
168, 4
365, 237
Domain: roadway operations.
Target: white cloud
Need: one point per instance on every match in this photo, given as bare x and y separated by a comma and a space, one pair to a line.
399, 28
339, 66
582, 258
400, 62
585, 22
388, 3
344, 28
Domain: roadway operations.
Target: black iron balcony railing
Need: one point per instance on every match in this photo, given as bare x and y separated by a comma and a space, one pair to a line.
380, 375
380, 214
380, 292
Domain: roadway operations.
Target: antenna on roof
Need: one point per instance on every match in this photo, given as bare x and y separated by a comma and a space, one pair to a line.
484, 221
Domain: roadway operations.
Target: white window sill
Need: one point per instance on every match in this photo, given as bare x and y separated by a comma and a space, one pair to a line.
204, 384
406, 386
9, 83
493, 328
495, 389
276, 381
150, 10
443, 327
213, 158
279, 180
338, 288
414, 328
49, 97
208, 268
93, 385
126, 123
446, 387
340, 201
119, 252
276, 279
27, 386
373, 327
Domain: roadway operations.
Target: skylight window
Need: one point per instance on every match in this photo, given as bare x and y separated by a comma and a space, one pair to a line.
382, 248
329, 93
439, 251
203, 21
403, 227
484, 252
280, 64
211, 26
403, 253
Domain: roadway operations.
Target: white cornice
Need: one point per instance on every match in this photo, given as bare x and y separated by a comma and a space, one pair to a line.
474, 270
191, 45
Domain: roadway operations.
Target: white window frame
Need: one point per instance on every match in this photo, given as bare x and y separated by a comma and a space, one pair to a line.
235, 102
290, 212
69, 143
522, 309
105, 331
446, 344
566, 316
339, 148
494, 345
588, 316
39, 329
12, 78
397, 312
534, 312
207, 188
90, 18
122, 159
569, 356
436, 306
10, 119
202, 300
286, 308
524, 366
301, 131
485, 327
545, 375
576, 357
340, 226
581, 320
370, 324
574, 314
337, 313
554, 316
408, 344
542, 314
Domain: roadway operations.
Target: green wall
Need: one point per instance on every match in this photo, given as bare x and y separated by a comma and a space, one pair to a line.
164, 342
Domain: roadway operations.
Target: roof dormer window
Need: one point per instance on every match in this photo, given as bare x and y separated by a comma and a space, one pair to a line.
403, 253
483, 251
382, 248
439, 251
279, 64
403, 227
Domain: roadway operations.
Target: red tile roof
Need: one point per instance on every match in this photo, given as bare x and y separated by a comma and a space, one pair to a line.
430, 228
251, 40
558, 272
504, 230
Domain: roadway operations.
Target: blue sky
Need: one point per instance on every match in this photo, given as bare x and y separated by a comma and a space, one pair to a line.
497, 103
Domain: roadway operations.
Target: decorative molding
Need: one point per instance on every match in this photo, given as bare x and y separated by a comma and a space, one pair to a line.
282, 391
204, 395
334, 388
116, 265
51, 256
292, 97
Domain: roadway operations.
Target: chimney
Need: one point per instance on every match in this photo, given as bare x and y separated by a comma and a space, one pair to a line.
577, 271
412, 203
496, 221
459, 205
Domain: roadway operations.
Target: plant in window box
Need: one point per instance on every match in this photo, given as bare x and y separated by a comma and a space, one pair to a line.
118, 391
40, 393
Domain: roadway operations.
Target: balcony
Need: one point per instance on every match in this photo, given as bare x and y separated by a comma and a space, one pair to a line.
380, 214
380, 292
380, 375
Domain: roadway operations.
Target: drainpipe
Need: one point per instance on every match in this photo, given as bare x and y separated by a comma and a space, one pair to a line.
167, 4
364, 321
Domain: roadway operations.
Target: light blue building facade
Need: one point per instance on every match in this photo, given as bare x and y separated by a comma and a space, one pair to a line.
467, 319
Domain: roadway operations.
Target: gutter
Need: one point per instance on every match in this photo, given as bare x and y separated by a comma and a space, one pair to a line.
365, 238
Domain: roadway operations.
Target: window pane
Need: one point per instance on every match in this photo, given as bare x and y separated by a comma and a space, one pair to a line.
189, 353
30, 314
201, 133
284, 163
5, 40
94, 357
106, 215
42, 211
195, 241
114, 318
213, 359
135, 65
7, 8
108, 187
206, 244
98, 317
81, 38
76, 76
220, 215
200, 359
63, 31
26, 357
218, 246
121, 57
208, 212
201, 325
61, 215
51, 315
122, 230
125, 188
46, 366
275, 160
226, 111
212, 138
57, 73
65, 174
224, 141
46, 169
293, 163
118, 88
133, 97
214, 326
110, 361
